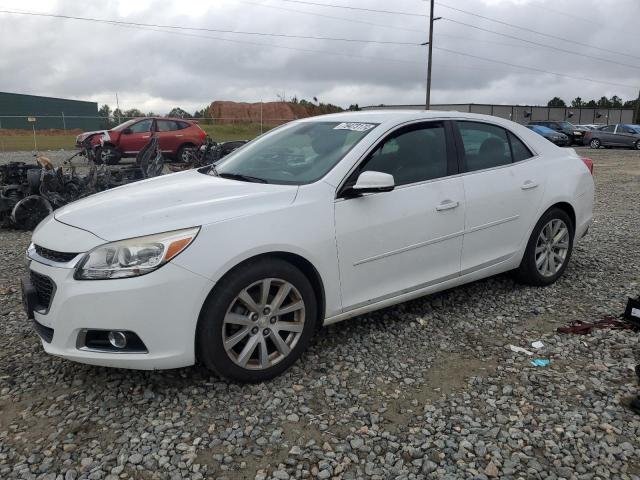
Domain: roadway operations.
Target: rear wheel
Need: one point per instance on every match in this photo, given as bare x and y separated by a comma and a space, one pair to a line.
548, 250
595, 143
185, 153
257, 322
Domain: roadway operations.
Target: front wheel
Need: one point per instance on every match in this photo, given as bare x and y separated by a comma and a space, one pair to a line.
595, 143
107, 155
637, 145
257, 322
548, 250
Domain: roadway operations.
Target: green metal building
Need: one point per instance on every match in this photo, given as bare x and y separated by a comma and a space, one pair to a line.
16, 110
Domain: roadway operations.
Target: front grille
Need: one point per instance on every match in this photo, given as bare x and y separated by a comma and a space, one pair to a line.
45, 333
45, 289
62, 257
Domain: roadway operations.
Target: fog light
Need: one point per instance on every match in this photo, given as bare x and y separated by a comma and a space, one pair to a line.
118, 339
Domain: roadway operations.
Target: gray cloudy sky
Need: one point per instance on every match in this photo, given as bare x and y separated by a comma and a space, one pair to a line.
155, 70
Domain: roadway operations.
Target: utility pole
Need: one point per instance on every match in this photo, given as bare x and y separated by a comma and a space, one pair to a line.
430, 44
636, 111
118, 107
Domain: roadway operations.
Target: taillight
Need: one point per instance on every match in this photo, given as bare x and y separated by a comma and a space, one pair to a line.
589, 163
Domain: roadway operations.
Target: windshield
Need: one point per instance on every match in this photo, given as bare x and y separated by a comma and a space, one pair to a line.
124, 125
296, 154
566, 126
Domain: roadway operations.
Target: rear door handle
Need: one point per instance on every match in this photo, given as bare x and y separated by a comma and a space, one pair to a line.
179, 135
447, 205
528, 185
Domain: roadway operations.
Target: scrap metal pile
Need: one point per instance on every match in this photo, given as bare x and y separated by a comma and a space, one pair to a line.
209, 152
30, 192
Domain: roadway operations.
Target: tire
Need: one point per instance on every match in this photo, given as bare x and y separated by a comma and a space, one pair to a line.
637, 145
529, 272
595, 143
185, 153
255, 350
107, 154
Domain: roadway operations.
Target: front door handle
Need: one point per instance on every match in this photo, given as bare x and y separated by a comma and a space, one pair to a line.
528, 185
447, 205
146, 136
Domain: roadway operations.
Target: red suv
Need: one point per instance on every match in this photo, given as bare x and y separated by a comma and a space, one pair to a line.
176, 137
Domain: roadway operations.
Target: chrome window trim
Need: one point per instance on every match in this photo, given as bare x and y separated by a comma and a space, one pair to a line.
375, 144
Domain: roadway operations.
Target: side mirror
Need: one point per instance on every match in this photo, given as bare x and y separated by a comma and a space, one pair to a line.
371, 182
127, 131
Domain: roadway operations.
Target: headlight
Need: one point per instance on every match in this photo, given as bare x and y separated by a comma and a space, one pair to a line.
135, 256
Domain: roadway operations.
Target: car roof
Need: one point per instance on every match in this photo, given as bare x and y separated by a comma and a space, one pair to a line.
388, 116
163, 118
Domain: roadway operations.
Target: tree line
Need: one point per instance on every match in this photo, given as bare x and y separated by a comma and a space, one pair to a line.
604, 102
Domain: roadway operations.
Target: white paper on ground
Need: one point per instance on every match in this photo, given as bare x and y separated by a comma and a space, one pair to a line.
537, 344
520, 350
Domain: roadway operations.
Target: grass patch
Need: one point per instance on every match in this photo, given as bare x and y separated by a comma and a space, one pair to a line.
16, 143
22, 140
234, 131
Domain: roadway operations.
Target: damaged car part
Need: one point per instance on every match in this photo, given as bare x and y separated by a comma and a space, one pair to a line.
29, 193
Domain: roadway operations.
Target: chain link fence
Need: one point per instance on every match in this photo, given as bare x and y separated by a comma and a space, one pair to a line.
53, 132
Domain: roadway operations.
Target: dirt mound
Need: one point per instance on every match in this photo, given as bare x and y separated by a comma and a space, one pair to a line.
272, 112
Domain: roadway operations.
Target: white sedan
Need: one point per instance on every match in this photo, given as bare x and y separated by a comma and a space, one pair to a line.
236, 266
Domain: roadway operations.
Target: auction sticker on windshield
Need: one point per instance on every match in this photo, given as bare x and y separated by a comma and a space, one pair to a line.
355, 127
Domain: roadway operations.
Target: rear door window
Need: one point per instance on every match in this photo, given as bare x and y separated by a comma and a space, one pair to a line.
485, 145
167, 125
519, 151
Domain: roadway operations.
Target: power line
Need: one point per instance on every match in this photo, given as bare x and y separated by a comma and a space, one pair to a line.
345, 19
214, 30
361, 9
531, 42
520, 27
534, 69
565, 14
247, 42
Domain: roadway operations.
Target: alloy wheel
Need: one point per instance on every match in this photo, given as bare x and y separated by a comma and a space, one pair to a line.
552, 247
595, 143
263, 324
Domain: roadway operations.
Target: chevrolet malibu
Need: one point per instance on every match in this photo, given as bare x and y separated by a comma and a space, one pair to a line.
237, 265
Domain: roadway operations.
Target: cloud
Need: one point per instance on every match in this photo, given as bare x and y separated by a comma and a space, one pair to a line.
157, 70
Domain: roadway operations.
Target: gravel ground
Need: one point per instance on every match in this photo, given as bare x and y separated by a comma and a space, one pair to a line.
426, 389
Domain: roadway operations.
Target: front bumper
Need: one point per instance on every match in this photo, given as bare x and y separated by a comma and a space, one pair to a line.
162, 308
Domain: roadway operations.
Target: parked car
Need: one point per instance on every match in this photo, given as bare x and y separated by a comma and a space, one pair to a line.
177, 136
575, 135
558, 138
236, 265
619, 135
588, 126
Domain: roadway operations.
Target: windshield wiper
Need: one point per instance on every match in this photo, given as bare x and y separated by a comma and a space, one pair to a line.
239, 176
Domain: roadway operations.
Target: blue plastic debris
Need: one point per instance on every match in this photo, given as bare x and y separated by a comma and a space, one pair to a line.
539, 362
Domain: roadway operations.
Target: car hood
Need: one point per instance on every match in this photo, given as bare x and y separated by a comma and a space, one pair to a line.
171, 202
84, 135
